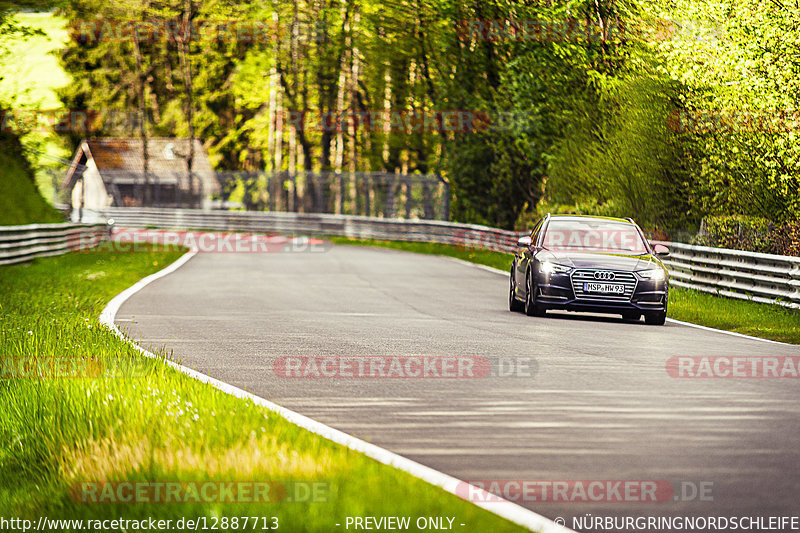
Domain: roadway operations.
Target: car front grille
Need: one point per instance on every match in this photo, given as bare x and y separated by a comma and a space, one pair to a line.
580, 276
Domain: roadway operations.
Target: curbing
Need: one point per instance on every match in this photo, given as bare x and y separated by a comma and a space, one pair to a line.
502, 508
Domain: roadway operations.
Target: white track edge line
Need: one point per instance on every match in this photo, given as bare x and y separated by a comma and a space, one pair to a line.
478, 265
674, 321
502, 508
735, 334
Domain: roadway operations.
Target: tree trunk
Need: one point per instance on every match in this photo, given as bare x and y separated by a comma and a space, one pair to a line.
146, 200
183, 48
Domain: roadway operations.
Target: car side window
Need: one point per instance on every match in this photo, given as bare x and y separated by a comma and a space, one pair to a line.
535, 232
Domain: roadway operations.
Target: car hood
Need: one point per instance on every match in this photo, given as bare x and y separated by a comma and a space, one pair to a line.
607, 261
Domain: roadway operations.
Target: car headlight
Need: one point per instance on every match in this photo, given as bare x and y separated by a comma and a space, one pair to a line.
657, 274
551, 268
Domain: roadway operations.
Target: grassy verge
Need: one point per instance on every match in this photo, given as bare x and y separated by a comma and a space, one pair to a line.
750, 318
759, 320
139, 420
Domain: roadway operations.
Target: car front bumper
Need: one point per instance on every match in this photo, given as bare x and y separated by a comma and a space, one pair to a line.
558, 291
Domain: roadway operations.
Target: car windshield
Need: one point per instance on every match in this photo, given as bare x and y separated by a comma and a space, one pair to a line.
593, 236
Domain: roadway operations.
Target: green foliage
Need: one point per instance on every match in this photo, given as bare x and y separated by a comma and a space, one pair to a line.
753, 234
737, 232
20, 201
626, 158
742, 70
547, 85
614, 119
407, 61
528, 219
786, 239
29, 73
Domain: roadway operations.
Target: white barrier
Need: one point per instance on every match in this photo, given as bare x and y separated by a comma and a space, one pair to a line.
23, 243
356, 227
752, 276
764, 278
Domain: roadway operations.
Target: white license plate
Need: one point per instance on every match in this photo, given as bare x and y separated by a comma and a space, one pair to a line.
608, 288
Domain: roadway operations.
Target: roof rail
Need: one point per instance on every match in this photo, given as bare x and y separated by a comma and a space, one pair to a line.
629, 219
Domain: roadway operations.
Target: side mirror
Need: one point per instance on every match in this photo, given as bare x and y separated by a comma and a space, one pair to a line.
661, 250
524, 242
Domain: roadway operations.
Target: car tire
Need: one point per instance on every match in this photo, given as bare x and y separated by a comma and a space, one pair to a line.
531, 307
514, 305
655, 319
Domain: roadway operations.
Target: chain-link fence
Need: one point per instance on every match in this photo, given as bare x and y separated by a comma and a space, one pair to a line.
382, 194
378, 194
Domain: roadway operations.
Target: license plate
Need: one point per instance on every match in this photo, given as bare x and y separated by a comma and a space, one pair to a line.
608, 288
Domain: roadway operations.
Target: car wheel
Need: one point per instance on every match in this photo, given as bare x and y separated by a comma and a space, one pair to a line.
531, 307
631, 315
655, 319
514, 305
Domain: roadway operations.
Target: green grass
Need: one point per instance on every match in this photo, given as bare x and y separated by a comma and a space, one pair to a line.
759, 320
148, 422
20, 201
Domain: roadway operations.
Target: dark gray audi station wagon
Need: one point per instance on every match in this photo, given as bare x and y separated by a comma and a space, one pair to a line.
590, 264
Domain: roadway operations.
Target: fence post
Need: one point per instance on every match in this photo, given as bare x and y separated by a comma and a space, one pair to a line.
426, 194
388, 208
367, 195
446, 199
271, 191
409, 199
341, 193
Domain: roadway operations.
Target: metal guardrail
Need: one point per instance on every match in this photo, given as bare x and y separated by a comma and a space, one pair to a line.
752, 276
356, 227
764, 278
23, 243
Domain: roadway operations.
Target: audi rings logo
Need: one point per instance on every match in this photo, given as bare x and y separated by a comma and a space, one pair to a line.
604, 275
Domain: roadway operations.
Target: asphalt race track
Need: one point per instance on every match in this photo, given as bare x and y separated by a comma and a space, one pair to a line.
595, 402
